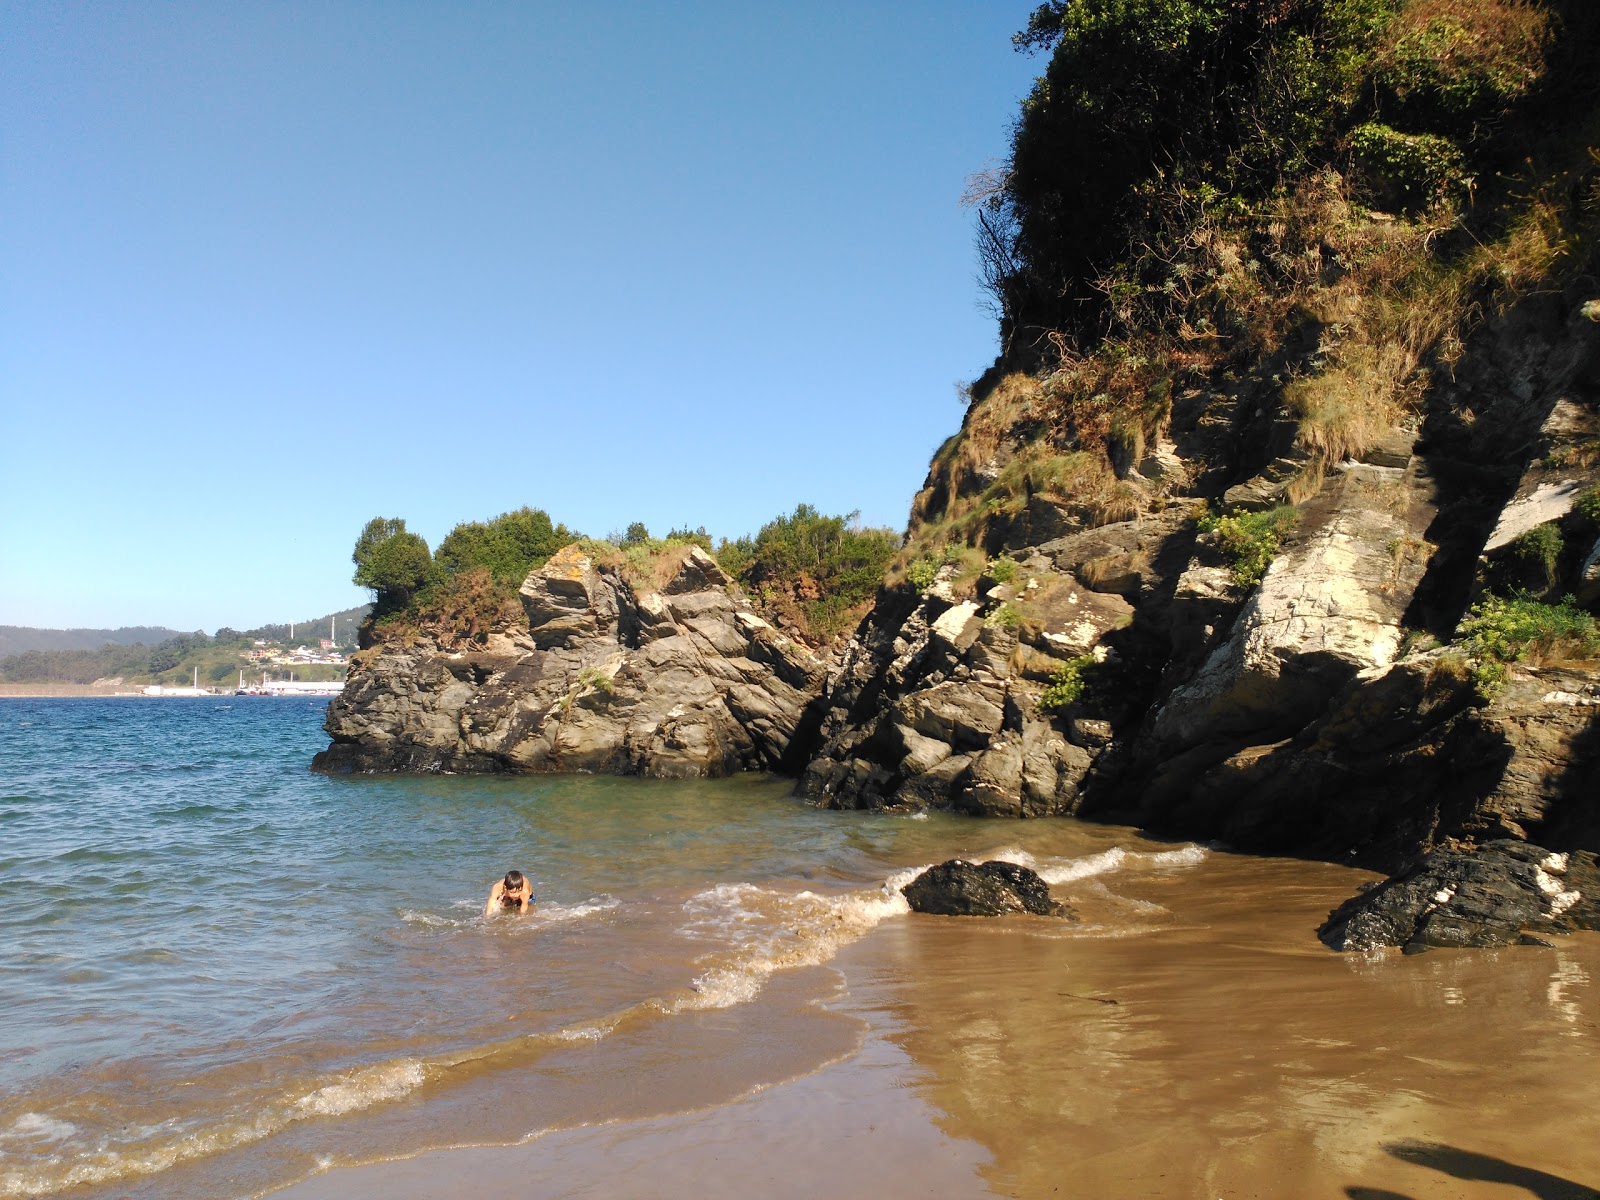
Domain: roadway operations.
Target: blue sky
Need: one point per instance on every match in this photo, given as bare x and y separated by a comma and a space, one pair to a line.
269, 270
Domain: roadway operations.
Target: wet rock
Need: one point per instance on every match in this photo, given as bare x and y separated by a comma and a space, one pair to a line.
963, 889
1502, 893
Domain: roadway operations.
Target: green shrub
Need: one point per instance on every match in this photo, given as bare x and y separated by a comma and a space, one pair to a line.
825, 565
1499, 631
1448, 73
392, 561
1588, 505
922, 574
1409, 169
1007, 616
1067, 684
1540, 546
1251, 540
1004, 569
509, 545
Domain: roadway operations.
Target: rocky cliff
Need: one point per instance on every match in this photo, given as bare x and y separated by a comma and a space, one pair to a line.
1277, 521
679, 679
1315, 712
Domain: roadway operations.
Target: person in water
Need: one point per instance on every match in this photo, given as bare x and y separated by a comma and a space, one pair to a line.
513, 893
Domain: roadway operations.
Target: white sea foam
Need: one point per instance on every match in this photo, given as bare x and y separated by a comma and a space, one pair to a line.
1189, 856
552, 914
38, 1127
539, 915
583, 1033
1083, 868
413, 916
763, 931
388, 1081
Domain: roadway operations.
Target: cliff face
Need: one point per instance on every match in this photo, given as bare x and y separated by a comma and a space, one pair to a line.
1311, 714
1262, 527
684, 680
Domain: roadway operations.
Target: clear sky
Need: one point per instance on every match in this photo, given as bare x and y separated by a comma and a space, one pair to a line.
268, 270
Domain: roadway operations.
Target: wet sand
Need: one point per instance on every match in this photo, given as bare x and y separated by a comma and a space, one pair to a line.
1189, 1038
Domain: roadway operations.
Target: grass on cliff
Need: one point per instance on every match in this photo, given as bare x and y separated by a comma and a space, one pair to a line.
1318, 200
1250, 540
1499, 631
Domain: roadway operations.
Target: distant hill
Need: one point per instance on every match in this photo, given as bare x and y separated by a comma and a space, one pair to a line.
19, 639
154, 654
343, 622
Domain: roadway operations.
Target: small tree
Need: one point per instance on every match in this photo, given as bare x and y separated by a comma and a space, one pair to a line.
392, 561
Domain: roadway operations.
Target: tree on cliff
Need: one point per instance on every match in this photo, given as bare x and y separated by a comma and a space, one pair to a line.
510, 545
392, 561
1145, 101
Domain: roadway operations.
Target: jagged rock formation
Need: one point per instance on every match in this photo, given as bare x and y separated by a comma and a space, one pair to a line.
962, 889
1294, 717
1501, 893
684, 680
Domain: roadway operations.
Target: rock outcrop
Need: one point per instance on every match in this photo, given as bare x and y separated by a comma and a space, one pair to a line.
962, 889
1315, 713
939, 701
1500, 893
685, 679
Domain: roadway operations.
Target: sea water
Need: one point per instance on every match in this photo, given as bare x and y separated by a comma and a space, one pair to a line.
221, 974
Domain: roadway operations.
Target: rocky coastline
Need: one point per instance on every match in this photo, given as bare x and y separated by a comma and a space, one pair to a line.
1275, 524
680, 680
1303, 716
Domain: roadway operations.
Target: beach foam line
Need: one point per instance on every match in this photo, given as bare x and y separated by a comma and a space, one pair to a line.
548, 913
764, 931
133, 1151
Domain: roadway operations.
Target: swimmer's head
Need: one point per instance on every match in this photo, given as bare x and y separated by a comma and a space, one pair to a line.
514, 881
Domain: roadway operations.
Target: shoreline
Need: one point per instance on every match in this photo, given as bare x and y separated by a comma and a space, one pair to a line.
1004, 1059
59, 691
854, 1126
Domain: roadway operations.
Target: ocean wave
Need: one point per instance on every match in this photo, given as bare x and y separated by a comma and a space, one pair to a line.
764, 931
32, 1127
388, 1081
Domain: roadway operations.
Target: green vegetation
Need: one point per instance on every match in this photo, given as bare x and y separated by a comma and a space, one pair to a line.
817, 571
1006, 616
1067, 684
1250, 540
1540, 547
1588, 505
508, 547
813, 570
175, 659
469, 587
1309, 204
1499, 631
1004, 569
392, 561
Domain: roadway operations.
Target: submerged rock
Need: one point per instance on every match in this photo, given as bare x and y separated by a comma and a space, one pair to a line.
1503, 892
992, 889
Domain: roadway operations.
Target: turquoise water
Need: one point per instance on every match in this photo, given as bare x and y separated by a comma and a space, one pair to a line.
221, 971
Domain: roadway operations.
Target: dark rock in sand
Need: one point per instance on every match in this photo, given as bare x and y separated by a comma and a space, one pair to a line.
1502, 893
991, 889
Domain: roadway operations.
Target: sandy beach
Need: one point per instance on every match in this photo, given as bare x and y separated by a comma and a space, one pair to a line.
1219, 1053
24, 691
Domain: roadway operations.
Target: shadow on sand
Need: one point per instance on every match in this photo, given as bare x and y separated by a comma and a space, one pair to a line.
1464, 1164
